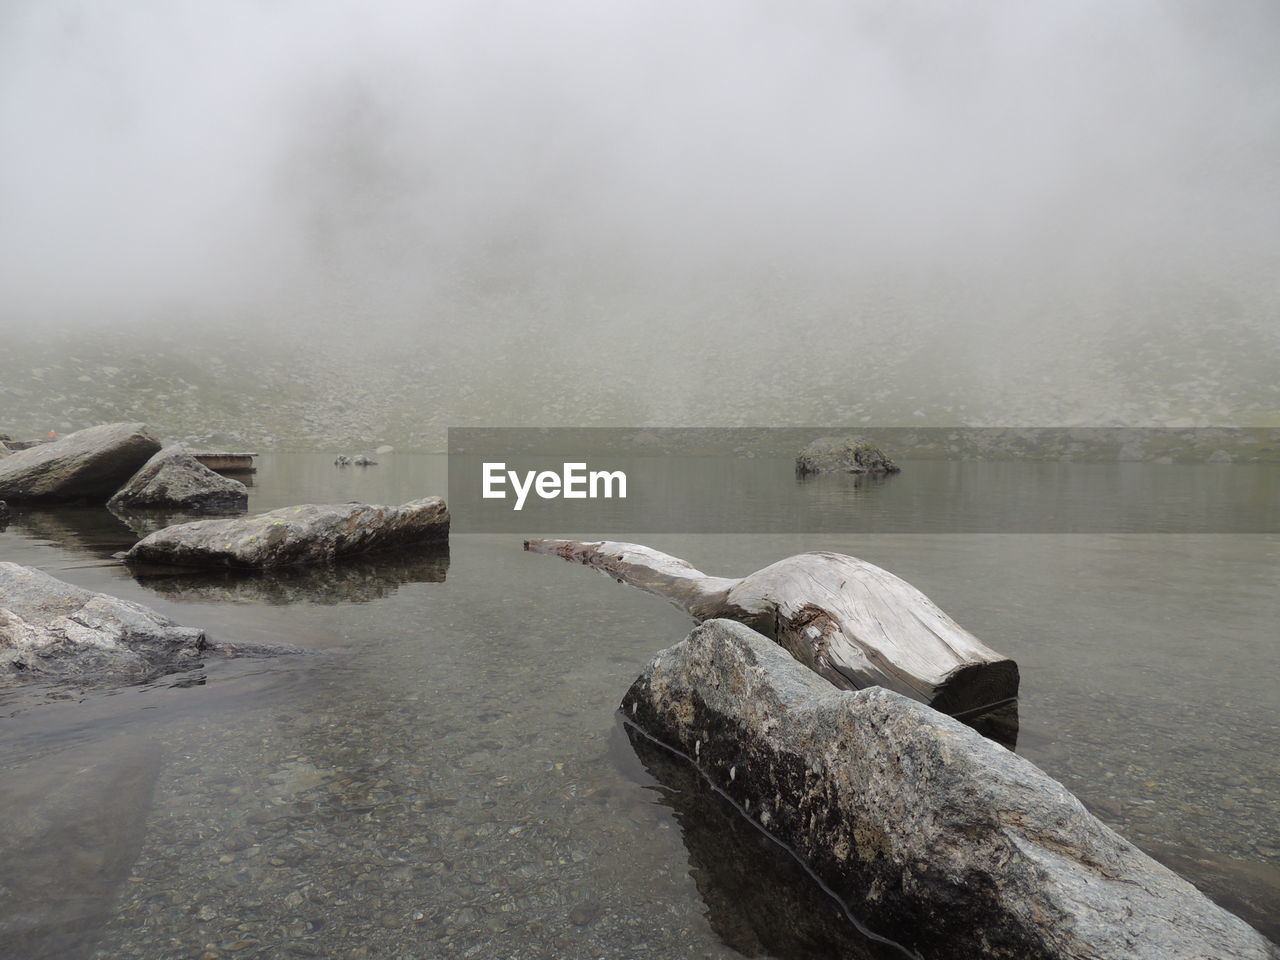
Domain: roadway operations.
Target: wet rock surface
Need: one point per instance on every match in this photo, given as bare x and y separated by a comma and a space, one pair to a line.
844, 455
305, 534
52, 631
760, 899
958, 847
90, 464
174, 479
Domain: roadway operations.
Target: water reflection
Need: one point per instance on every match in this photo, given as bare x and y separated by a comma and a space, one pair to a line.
760, 900
353, 580
1000, 724
71, 826
91, 530
146, 522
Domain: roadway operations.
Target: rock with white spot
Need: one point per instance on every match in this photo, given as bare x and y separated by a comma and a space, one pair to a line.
944, 840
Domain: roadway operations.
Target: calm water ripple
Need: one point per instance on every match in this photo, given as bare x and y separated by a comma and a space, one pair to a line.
447, 778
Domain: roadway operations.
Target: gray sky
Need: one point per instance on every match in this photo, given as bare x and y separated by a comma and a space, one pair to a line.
974, 168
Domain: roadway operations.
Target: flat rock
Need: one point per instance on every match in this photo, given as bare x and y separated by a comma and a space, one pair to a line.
174, 479
53, 631
937, 837
843, 455
90, 464
309, 533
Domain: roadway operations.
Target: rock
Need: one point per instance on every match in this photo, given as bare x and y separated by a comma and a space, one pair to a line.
943, 840
1220, 456
363, 461
385, 449
174, 479
4, 514
4, 450
843, 455
54, 631
1249, 890
89, 464
759, 899
309, 533
342, 461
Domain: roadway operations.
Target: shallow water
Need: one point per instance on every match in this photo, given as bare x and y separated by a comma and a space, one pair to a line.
446, 776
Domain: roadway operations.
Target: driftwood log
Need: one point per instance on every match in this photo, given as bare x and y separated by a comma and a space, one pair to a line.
848, 620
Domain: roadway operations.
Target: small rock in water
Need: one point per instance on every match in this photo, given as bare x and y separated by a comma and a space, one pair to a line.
173, 478
843, 455
585, 912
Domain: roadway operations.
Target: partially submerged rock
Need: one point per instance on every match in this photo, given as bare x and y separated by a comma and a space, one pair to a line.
844, 455
89, 464
174, 479
939, 838
309, 533
53, 631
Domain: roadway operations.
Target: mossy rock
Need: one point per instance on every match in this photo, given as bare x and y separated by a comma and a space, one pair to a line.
843, 455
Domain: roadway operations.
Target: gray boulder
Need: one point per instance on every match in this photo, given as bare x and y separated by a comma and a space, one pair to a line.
51, 630
4, 514
89, 464
309, 533
945, 841
843, 455
56, 632
174, 479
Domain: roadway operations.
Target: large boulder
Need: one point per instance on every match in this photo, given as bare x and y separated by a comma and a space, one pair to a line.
844, 455
940, 838
175, 480
310, 533
89, 464
53, 631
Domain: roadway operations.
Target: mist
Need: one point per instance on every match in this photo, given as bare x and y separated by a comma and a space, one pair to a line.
720, 212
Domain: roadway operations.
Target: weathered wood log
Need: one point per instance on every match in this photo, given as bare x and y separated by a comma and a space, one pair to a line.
848, 620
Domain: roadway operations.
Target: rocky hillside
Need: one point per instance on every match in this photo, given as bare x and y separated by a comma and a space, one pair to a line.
338, 391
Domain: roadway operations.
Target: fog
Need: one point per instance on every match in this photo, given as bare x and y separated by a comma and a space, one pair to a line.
715, 202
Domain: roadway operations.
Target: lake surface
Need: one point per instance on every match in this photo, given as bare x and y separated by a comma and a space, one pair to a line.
445, 776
